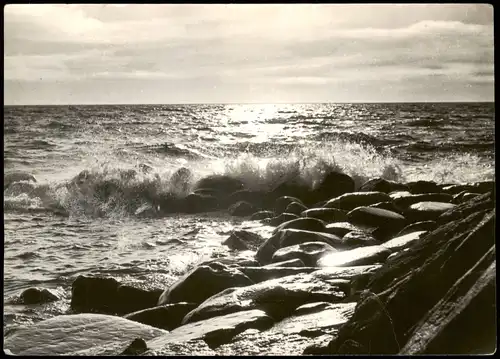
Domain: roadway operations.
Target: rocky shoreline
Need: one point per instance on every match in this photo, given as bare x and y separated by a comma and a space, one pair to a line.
385, 268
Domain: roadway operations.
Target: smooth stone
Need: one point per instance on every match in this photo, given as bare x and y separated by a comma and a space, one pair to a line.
349, 201
369, 217
137, 347
261, 215
294, 263
261, 274
283, 202
37, 295
468, 196
295, 187
356, 239
382, 185
295, 208
94, 294
389, 206
348, 273
404, 203
203, 282
359, 256
340, 229
334, 184
282, 218
401, 242
308, 224
311, 308
220, 183
308, 252
277, 297
419, 187
328, 215
427, 211
256, 198
241, 209
400, 194
291, 237
218, 330
68, 334
418, 226
130, 299
168, 316
243, 240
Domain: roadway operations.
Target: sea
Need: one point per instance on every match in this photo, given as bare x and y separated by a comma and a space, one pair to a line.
71, 222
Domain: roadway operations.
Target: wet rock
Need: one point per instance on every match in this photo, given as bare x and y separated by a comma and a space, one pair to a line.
400, 194
295, 208
38, 296
333, 185
401, 242
467, 197
203, 282
94, 294
348, 273
319, 345
359, 256
291, 237
130, 299
277, 297
328, 215
71, 334
382, 185
340, 229
349, 201
427, 211
308, 252
356, 239
433, 278
216, 331
478, 187
292, 188
243, 240
308, 224
419, 187
418, 226
282, 218
283, 202
245, 258
168, 316
137, 347
389, 206
261, 274
476, 204
255, 198
294, 263
386, 221
262, 215
241, 209
403, 203
197, 203
221, 183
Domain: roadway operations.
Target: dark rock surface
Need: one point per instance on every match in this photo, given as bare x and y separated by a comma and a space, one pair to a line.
427, 211
241, 209
418, 187
308, 224
94, 294
334, 184
418, 226
359, 256
37, 295
349, 201
295, 208
308, 252
243, 240
329, 215
168, 316
283, 202
382, 185
262, 215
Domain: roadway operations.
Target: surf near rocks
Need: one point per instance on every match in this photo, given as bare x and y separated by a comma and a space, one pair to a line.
359, 279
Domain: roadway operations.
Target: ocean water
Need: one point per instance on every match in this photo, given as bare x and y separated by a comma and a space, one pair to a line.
100, 168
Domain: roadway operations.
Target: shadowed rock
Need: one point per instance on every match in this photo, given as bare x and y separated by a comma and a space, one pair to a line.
241, 209
359, 256
418, 226
356, 239
404, 202
427, 211
333, 185
419, 187
168, 316
221, 183
382, 185
282, 218
137, 347
291, 237
385, 221
328, 215
255, 198
262, 215
283, 202
308, 224
295, 208
261, 274
340, 229
197, 203
130, 299
203, 282
243, 240
349, 201
38, 296
401, 242
94, 294
308, 252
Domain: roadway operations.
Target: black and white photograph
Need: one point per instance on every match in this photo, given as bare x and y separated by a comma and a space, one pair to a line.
249, 179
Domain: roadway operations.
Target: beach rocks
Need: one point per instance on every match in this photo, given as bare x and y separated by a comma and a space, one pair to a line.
418, 226
255, 198
203, 282
137, 347
168, 316
295, 208
308, 224
94, 294
294, 187
197, 203
277, 297
243, 240
282, 218
262, 215
356, 239
261, 274
382, 185
294, 263
71, 334
386, 221
328, 215
401, 242
418, 187
349, 201
241, 209
224, 185
333, 185
340, 229
404, 202
290, 237
308, 252
359, 256
130, 299
427, 211
281, 204
37, 295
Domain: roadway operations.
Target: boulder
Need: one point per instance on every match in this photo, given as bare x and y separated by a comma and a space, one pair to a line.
359, 256
261, 274
243, 240
418, 226
282, 218
94, 294
403, 203
308, 224
293, 188
334, 184
476, 204
137, 347
328, 215
168, 316
197, 203
295, 208
400, 194
427, 211
291, 237
387, 222
309, 252
468, 196
419, 187
221, 183
349, 201
382, 185
478, 187
294, 263
216, 331
71, 334
283, 202
401, 242
130, 299
356, 239
277, 297
340, 229
241, 209
203, 282
37, 295
261, 215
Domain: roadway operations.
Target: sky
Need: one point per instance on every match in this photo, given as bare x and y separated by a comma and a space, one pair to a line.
247, 53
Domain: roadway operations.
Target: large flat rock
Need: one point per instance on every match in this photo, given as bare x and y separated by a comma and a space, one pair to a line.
66, 334
359, 256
